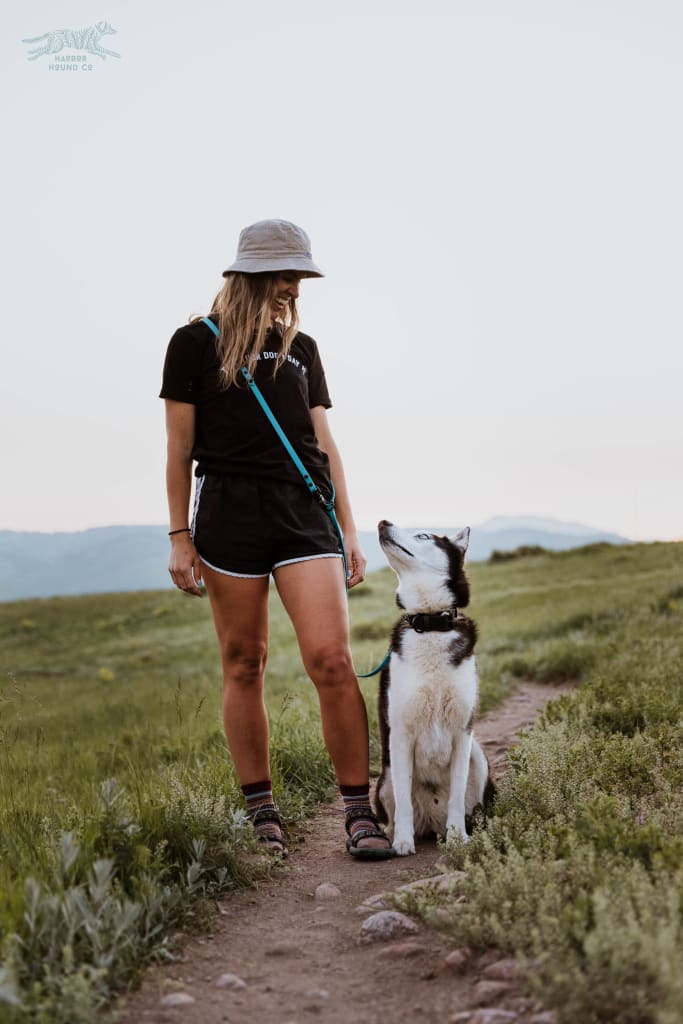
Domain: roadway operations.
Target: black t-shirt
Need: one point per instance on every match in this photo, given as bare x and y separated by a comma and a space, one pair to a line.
232, 434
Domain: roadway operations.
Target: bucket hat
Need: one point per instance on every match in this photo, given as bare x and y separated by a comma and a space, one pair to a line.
271, 245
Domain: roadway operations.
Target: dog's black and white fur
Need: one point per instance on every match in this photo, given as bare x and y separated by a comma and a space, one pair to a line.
433, 770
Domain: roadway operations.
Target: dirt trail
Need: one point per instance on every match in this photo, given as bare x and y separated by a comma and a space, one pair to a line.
300, 956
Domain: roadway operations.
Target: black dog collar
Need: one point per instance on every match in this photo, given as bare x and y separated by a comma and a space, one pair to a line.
424, 622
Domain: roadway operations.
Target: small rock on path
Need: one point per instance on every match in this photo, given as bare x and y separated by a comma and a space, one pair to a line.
177, 999
327, 891
230, 981
386, 925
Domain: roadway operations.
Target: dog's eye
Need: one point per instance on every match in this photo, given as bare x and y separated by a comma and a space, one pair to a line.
422, 536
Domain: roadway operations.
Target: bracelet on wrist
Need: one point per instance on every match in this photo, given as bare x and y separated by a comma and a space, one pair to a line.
183, 529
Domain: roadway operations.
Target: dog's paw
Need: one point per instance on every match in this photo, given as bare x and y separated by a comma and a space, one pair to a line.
404, 847
455, 830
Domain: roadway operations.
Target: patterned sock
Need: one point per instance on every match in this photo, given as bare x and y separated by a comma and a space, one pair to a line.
257, 793
358, 798
259, 797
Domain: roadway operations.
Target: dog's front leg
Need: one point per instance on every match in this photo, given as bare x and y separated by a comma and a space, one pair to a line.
402, 754
460, 764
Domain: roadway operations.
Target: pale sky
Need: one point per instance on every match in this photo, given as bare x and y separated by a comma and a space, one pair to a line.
492, 189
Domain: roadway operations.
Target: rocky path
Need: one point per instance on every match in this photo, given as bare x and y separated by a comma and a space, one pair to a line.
299, 948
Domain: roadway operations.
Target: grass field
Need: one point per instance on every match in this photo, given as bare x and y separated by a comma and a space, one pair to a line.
120, 815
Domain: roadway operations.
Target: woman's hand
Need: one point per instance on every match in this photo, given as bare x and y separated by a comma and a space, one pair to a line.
356, 560
185, 564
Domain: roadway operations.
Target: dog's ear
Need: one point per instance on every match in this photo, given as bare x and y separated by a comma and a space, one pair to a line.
461, 539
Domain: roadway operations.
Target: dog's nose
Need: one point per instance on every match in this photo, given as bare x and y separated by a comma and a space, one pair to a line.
383, 524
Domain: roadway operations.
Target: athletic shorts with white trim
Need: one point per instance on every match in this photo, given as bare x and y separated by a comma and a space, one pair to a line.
249, 526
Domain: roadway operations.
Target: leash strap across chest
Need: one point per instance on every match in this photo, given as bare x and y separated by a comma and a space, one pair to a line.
327, 506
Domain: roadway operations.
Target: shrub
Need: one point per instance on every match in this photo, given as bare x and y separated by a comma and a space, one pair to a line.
143, 858
552, 662
578, 872
523, 551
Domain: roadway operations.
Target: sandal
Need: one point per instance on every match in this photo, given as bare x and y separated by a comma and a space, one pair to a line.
268, 828
365, 813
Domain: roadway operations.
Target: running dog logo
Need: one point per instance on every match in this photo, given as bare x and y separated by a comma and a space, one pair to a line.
87, 39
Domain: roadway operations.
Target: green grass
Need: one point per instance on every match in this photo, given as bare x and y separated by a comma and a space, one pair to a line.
120, 813
113, 762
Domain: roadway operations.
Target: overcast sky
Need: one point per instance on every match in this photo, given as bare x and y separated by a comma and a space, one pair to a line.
493, 190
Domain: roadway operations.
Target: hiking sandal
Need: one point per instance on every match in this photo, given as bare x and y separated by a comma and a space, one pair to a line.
268, 828
366, 814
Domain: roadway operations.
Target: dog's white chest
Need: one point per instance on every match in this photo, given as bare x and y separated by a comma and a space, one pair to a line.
430, 699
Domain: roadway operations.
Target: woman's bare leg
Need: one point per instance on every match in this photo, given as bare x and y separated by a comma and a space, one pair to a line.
314, 595
240, 615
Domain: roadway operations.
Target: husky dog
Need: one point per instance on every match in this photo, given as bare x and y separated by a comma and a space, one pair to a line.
433, 770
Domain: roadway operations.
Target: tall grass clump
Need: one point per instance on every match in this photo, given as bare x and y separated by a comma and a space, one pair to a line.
579, 870
112, 876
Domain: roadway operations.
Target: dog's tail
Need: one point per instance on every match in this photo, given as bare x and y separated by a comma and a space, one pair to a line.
480, 787
489, 795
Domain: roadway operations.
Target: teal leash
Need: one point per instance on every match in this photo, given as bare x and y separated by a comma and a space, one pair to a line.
375, 671
327, 506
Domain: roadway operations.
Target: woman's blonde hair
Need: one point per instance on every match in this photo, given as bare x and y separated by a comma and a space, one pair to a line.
244, 311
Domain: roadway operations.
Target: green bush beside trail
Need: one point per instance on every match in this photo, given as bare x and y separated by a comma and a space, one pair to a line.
579, 870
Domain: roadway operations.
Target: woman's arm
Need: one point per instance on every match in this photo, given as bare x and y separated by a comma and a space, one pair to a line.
184, 566
356, 559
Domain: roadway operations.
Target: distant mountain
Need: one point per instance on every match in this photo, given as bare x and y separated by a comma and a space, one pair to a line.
539, 523
505, 533
120, 558
108, 558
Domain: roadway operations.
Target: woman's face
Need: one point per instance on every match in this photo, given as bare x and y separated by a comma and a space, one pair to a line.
285, 287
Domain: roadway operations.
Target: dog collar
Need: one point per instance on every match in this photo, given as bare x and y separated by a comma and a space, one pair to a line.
440, 622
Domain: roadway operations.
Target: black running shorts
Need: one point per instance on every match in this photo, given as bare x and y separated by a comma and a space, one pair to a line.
248, 526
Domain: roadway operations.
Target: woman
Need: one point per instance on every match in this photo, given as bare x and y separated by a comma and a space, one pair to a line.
253, 515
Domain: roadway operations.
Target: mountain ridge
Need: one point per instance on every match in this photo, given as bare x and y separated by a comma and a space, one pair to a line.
106, 559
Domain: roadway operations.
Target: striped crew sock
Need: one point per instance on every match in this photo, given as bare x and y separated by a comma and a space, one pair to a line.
356, 798
264, 815
256, 794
